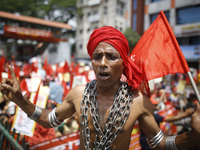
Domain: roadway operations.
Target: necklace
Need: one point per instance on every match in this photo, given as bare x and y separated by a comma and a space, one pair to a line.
115, 121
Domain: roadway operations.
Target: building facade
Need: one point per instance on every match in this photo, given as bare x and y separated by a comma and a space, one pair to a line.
137, 13
98, 13
184, 18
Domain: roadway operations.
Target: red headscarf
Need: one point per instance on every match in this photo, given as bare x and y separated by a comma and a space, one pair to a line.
114, 37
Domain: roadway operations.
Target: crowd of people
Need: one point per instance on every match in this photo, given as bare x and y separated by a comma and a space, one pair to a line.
106, 107
47, 75
164, 92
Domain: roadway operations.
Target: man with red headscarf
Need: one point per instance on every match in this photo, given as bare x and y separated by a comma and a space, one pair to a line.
107, 108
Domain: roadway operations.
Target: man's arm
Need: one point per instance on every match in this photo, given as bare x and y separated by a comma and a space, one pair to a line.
151, 129
11, 88
186, 113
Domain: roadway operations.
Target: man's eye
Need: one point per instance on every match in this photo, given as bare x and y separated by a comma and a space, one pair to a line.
111, 57
96, 57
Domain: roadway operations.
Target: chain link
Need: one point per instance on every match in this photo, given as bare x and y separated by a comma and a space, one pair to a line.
115, 121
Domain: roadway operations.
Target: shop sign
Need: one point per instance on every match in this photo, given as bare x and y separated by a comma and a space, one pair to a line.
191, 29
27, 31
191, 51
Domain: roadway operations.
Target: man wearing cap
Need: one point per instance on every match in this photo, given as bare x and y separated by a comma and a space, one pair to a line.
107, 108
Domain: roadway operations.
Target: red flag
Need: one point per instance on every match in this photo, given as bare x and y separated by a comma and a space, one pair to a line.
158, 53
65, 89
65, 67
23, 86
36, 95
47, 68
2, 68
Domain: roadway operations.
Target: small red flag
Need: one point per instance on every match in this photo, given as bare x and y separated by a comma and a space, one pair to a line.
47, 68
23, 86
65, 68
36, 95
2, 68
158, 53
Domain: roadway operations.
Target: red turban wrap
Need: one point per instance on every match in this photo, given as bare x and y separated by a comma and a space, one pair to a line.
114, 37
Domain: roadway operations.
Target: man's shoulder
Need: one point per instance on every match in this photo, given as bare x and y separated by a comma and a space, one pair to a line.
139, 96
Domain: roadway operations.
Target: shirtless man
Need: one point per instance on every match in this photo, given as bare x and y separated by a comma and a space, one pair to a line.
108, 49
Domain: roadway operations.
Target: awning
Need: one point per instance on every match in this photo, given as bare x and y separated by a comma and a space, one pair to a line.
35, 20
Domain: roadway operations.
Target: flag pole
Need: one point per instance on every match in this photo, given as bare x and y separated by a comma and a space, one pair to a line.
194, 85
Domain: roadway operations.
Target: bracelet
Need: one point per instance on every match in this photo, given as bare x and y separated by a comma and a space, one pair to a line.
155, 140
36, 114
53, 121
170, 143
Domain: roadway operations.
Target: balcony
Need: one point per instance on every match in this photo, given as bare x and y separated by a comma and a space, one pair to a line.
94, 18
93, 2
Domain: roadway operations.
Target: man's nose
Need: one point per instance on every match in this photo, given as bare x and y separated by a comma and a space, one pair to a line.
103, 62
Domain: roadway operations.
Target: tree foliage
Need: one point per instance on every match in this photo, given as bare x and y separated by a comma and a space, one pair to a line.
132, 37
55, 10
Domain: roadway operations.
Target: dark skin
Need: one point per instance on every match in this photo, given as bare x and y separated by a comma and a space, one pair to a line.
108, 67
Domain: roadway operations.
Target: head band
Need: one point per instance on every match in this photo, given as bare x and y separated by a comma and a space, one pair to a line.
114, 37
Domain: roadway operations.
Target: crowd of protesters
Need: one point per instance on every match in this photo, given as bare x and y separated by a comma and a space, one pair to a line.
173, 89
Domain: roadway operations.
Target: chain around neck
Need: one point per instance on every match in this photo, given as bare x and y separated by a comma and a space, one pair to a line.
115, 121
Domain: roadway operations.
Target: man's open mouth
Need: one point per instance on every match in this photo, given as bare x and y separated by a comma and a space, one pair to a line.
104, 75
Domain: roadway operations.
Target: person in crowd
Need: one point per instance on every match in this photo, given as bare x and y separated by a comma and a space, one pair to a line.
159, 119
174, 97
107, 108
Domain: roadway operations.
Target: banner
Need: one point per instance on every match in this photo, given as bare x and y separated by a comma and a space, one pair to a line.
66, 142
22, 123
27, 31
56, 92
135, 138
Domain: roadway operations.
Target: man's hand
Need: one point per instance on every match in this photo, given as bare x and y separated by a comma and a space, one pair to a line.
195, 124
11, 87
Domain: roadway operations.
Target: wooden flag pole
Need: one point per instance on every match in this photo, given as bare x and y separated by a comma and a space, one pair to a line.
194, 85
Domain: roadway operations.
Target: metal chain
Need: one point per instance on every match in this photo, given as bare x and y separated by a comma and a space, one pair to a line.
115, 121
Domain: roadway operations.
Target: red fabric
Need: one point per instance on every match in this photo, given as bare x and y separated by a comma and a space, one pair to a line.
36, 95
65, 89
2, 62
114, 37
27, 69
23, 86
157, 53
47, 68
41, 134
66, 67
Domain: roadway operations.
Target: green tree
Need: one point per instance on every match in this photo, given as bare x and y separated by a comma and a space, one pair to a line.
55, 10
132, 38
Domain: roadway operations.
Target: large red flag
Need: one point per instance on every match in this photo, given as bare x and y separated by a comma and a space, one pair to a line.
158, 53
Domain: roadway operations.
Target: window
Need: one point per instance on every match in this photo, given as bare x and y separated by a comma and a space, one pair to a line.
134, 4
88, 14
95, 12
194, 40
81, 17
53, 49
134, 21
105, 10
88, 30
120, 8
80, 46
81, 31
188, 15
156, 0
154, 16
